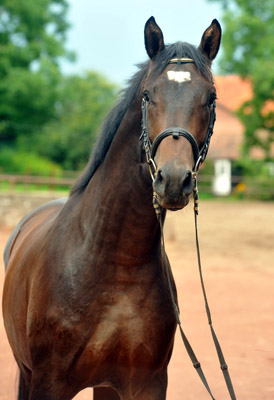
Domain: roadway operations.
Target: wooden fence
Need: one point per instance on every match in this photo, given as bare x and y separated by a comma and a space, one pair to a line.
10, 182
249, 187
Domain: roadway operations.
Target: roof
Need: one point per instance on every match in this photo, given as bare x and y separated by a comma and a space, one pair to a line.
232, 91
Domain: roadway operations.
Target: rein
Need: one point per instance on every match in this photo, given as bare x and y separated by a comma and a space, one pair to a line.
199, 157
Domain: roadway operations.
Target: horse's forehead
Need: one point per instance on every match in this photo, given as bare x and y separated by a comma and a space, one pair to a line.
179, 76
183, 82
183, 77
179, 80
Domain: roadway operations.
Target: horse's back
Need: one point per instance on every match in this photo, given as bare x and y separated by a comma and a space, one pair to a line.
30, 221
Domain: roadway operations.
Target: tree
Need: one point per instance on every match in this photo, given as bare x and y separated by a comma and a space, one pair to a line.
43, 114
248, 50
83, 102
32, 37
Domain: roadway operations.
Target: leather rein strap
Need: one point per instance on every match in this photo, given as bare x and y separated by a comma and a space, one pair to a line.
189, 349
199, 156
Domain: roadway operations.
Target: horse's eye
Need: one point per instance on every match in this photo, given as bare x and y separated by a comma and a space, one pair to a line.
211, 99
146, 96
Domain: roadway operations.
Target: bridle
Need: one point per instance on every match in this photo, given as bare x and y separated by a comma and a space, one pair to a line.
199, 156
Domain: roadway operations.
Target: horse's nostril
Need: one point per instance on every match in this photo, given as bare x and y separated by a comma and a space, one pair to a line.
188, 179
187, 183
160, 176
160, 182
173, 182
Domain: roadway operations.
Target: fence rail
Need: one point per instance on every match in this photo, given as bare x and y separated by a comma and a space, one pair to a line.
244, 186
51, 182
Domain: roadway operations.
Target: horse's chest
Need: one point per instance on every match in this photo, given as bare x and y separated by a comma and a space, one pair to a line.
129, 334
125, 324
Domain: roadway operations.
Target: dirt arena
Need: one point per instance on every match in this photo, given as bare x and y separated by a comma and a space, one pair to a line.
237, 249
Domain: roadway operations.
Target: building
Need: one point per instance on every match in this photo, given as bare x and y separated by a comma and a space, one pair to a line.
226, 142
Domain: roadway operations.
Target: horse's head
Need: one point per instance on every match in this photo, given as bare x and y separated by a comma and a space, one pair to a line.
178, 109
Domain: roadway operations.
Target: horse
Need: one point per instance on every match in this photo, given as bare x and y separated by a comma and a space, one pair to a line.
86, 302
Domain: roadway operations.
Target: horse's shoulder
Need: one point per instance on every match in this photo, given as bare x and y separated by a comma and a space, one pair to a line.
44, 211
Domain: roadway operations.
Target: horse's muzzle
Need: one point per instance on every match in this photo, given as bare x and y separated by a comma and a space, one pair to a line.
173, 186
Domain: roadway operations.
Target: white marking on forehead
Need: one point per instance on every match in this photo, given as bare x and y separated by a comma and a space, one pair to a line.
179, 76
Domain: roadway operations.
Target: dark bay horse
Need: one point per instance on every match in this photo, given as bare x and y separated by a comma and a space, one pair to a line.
86, 301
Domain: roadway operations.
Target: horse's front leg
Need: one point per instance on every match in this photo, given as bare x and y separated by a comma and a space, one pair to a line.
24, 382
153, 388
23, 388
47, 387
156, 389
105, 393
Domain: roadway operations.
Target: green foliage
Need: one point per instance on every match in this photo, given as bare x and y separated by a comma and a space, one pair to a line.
45, 119
207, 168
83, 103
31, 42
252, 168
256, 179
248, 50
20, 162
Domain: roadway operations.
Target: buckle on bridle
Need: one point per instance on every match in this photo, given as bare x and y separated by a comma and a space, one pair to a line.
152, 168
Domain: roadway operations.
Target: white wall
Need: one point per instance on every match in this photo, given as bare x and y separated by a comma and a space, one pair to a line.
222, 177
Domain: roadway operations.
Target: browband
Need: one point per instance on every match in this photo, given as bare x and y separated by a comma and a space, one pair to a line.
181, 61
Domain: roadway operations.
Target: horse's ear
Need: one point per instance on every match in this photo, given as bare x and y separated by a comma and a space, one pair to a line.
211, 40
154, 39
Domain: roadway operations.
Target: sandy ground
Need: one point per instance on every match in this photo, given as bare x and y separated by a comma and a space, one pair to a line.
237, 248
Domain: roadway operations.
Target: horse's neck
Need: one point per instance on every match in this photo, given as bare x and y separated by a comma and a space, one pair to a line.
117, 212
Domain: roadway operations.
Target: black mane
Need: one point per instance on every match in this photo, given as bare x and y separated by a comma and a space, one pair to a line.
116, 115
